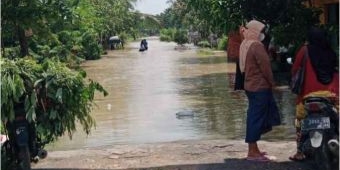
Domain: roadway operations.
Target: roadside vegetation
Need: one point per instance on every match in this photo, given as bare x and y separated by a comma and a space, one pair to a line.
287, 21
44, 42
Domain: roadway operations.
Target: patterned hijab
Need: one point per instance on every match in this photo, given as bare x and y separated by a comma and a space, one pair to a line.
251, 33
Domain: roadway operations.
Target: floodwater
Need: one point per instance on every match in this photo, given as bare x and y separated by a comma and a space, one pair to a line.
163, 95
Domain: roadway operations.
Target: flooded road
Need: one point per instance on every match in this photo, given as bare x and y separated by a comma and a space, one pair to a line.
163, 95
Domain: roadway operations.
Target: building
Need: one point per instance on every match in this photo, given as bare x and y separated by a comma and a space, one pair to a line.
329, 17
330, 10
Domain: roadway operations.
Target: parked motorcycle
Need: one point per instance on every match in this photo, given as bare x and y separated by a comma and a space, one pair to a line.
22, 146
320, 132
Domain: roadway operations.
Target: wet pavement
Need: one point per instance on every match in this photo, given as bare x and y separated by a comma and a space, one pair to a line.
181, 155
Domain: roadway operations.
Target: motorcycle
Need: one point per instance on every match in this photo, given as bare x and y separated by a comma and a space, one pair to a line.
143, 45
320, 132
22, 145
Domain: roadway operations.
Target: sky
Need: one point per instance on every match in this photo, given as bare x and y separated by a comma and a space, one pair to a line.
151, 6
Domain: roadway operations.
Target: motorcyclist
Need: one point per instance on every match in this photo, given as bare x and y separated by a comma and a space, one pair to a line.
321, 78
143, 45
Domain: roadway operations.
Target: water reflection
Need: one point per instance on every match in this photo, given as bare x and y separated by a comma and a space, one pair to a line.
147, 90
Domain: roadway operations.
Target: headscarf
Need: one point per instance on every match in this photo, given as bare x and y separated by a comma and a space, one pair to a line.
251, 33
322, 57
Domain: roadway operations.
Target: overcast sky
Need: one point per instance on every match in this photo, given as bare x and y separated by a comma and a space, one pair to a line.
151, 6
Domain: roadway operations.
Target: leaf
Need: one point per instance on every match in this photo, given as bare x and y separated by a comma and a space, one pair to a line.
27, 103
38, 82
53, 114
40, 129
33, 99
50, 81
67, 92
59, 95
11, 114
19, 87
31, 115
11, 85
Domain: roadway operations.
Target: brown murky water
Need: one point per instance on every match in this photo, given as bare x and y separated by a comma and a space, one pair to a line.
163, 95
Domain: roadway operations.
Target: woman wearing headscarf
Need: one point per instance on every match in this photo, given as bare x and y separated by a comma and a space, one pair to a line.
321, 77
262, 111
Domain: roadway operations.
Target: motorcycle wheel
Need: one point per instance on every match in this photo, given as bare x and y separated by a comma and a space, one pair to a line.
24, 158
322, 157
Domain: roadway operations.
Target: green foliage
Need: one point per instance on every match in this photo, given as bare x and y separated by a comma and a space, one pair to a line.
288, 21
54, 96
222, 43
107, 18
148, 24
180, 36
165, 38
54, 22
171, 17
204, 43
11, 52
294, 30
167, 34
205, 52
123, 36
90, 48
67, 38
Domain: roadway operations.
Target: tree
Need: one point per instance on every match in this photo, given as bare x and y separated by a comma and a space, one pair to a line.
287, 20
44, 18
19, 16
107, 18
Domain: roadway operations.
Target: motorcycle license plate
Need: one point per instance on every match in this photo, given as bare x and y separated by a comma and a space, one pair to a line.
315, 123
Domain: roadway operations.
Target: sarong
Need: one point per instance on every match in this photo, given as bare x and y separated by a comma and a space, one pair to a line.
262, 114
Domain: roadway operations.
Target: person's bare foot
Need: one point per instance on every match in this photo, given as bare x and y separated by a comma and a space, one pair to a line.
256, 154
261, 158
254, 151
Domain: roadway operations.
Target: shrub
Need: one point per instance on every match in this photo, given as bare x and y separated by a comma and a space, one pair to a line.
204, 43
165, 38
123, 38
180, 36
55, 97
90, 48
66, 38
222, 43
167, 34
11, 53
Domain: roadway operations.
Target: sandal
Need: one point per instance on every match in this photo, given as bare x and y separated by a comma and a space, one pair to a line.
299, 157
261, 158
